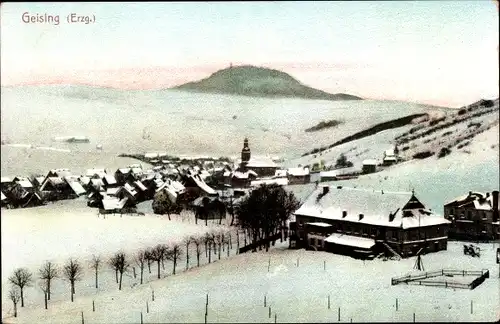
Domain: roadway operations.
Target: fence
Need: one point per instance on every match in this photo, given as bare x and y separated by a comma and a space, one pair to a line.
418, 279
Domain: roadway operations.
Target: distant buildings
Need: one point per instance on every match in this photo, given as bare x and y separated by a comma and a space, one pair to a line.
365, 223
474, 216
369, 166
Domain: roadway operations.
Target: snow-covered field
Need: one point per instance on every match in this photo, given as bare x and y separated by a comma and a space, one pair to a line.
69, 229
294, 293
212, 124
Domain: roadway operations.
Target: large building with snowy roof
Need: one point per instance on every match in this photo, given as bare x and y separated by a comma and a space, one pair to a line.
367, 222
474, 216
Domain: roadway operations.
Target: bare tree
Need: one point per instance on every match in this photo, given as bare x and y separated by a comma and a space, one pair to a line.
15, 297
197, 242
159, 254
44, 288
148, 255
96, 264
48, 272
208, 243
21, 278
113, 264
73, 271
188, 240
120, 264
141, 259
174, 254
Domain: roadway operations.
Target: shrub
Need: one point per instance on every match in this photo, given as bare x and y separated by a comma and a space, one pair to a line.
462, 111
487, 103
444, 152
423, 155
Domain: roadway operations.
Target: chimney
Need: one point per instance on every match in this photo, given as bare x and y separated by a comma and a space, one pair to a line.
344, 213
361, 216
495, 205
326, 189
470, 193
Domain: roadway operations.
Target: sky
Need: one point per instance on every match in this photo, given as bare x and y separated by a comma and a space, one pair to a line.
436, 52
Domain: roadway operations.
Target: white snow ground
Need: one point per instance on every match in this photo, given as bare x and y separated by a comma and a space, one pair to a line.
236, 288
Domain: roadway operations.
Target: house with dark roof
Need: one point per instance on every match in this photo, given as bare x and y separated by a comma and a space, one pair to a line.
474, 216
365, 223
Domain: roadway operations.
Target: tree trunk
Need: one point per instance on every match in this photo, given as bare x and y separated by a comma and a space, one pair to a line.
45, 299
48, 289
158, 269
15, 309
142, 272
72, 292
206, 249
209, 253
22, 296
187, 256
149, 266
168, 214
120, 285
206, 220
175, 264
220, 244
96, 282
116, 275
198, 257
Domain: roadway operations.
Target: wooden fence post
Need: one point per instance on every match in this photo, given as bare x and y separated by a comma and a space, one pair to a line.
471, 307
269, 311
413, 317
275, 317
147, 307
328, 301
153, 295
83, 321
397, 304
324, 265
141, 318
269, 265
339, 314
265, 300
93, 306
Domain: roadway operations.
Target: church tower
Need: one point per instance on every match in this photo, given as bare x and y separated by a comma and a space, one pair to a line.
245, 152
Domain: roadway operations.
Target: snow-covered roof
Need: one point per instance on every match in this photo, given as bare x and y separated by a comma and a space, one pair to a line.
97, 183
480, 200
389, 152
390, 158
111, 203
298, 172
349, 240
3, 196
375, 206
130, 189
278, 181
61, 172
84, 180
140, 185
110, 179
320, 224
55, 181
202, 185
40, 179
77, 187
370, 162
112, 191
151, 155
6, 180
25, 184
124, 170
244, 175
280, 173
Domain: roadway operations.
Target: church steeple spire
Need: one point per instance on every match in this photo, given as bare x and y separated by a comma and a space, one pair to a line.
245, 152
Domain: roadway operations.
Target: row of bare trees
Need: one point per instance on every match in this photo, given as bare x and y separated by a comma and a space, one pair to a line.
23, 278
215, 242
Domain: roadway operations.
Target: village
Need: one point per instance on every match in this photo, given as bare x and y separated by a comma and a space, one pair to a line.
362, 223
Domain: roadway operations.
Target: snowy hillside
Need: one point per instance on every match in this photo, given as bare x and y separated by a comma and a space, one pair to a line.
212, 124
